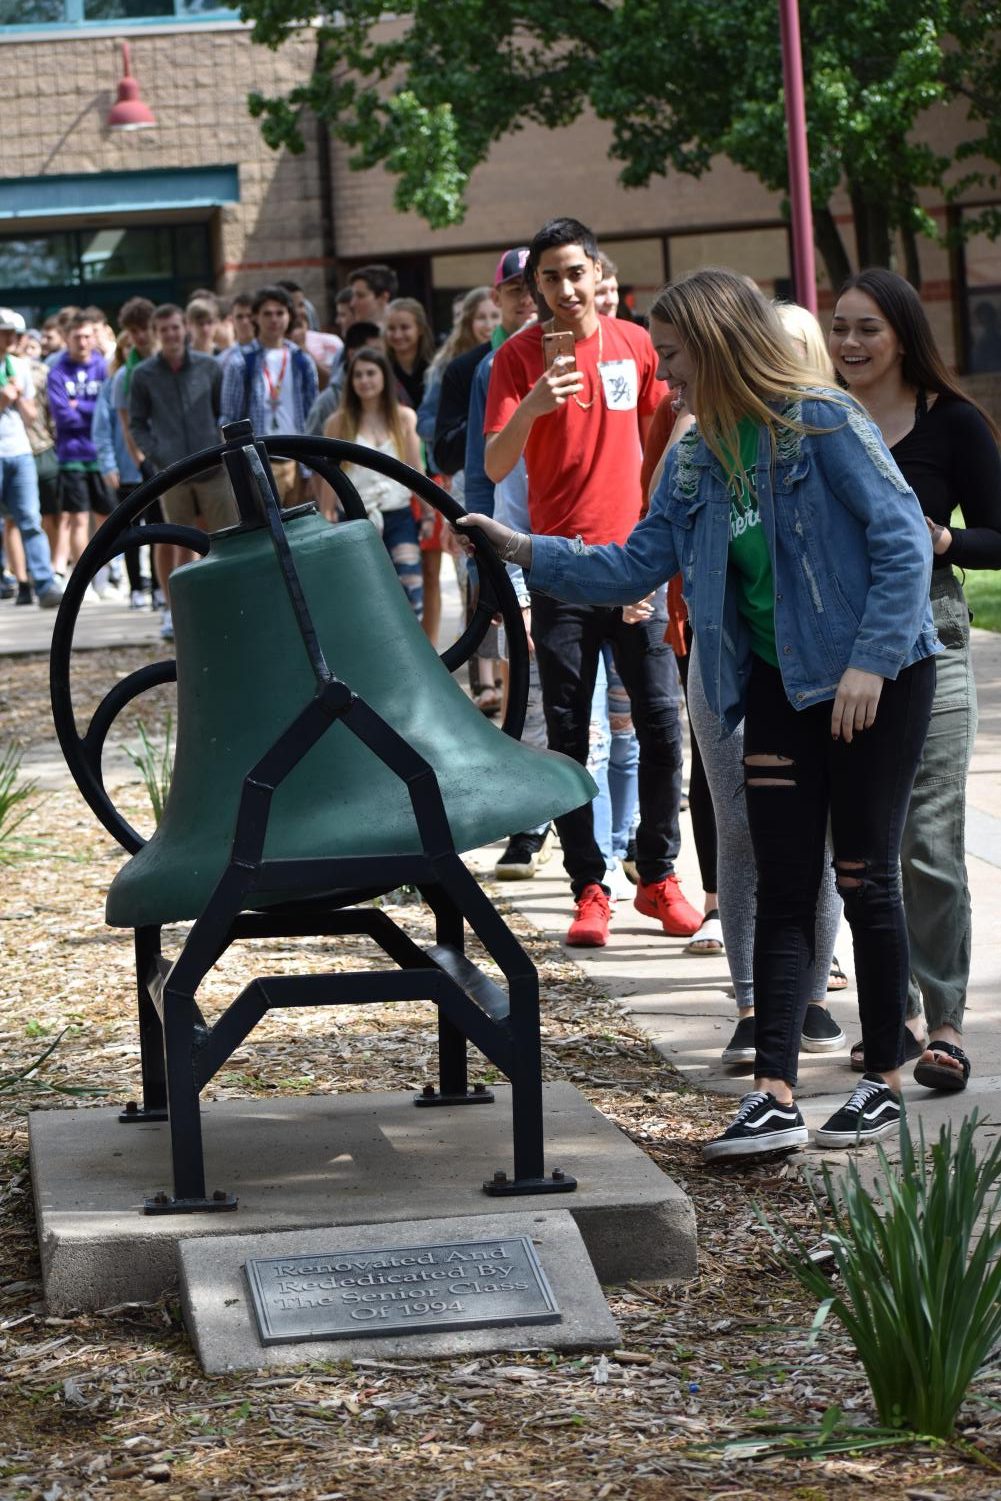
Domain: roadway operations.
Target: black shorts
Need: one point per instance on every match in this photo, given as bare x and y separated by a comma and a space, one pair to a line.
83, 490
47, 468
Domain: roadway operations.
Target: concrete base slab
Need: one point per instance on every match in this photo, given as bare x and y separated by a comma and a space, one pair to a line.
221, 1323
353, 1159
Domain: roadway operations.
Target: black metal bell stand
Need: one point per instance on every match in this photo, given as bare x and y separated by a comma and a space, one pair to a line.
181, 1051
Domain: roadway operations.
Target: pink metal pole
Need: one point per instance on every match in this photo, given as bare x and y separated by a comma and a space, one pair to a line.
804, 267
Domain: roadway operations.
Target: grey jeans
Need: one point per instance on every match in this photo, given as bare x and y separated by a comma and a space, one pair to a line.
724, 765
933, 852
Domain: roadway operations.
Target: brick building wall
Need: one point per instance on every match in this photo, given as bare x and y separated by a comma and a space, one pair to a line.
196, 79
60, 87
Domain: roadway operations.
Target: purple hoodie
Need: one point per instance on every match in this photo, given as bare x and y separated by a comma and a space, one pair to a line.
72, 394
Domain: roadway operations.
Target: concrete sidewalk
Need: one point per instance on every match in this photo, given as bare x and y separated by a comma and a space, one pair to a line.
101, 623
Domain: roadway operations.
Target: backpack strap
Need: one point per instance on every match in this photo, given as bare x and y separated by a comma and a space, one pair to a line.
250, 363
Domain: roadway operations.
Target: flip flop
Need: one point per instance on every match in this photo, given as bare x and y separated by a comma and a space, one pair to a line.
942, 1075
709, 938
837, 979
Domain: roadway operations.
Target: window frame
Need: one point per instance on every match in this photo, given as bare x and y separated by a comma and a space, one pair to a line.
963, 324
74, 19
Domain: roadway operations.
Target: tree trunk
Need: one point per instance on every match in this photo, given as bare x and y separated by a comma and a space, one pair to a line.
879, 236
832, 247
872, 230
912, 263
861, 216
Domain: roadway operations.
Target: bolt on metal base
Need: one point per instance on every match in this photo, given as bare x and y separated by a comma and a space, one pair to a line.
134, 1113
478, 1095
164, 1203
500, 1186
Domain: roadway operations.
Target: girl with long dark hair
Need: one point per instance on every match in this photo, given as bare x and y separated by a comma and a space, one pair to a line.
371, 414
947, 449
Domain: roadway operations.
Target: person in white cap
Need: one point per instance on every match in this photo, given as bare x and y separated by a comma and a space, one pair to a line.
18, 476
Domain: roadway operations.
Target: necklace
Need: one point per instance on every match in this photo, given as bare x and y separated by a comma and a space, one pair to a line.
274, 388
585, 406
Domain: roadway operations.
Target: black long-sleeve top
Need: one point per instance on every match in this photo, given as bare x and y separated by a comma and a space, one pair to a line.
950, 458
453, 409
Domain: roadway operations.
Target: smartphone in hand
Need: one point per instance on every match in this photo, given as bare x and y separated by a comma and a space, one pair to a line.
559, 347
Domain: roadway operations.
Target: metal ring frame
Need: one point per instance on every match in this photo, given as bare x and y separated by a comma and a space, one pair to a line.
84, 753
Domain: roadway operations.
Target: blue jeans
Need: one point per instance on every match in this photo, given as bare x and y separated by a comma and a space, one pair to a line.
19, 499
613, 761
400, 535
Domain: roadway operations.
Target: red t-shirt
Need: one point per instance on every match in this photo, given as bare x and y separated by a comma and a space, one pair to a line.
583, 465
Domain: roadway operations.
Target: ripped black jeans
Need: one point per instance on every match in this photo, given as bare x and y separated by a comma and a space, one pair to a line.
865, 787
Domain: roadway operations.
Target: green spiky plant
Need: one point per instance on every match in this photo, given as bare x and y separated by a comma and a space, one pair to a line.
155, 761
918, 1285
15, 806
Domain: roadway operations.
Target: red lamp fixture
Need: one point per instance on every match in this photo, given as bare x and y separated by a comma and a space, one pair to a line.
129, 112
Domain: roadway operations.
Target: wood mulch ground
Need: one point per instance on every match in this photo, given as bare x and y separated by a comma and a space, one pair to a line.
113, 1404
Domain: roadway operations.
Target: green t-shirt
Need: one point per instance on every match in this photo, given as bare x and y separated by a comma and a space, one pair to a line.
749, 555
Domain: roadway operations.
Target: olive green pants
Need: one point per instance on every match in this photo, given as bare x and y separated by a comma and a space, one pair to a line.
933, 852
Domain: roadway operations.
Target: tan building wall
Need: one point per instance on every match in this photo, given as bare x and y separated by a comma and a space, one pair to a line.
195, 79
675, 224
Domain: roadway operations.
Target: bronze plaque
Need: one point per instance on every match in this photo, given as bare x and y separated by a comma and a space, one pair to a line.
409, 1290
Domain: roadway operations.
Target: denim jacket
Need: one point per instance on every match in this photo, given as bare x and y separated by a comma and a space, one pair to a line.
850, 550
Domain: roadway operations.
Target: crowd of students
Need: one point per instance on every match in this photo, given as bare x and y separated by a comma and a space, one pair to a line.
808, 508
86, 415
724, 509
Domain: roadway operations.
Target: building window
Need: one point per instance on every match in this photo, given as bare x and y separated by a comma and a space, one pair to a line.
125, 254
37, 261
28, 14
981, 302
40, 273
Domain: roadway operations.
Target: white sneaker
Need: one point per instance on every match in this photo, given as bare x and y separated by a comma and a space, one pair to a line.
138, 600
166, 627
620, 888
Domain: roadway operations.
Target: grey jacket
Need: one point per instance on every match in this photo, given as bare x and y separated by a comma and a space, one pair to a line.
174, 413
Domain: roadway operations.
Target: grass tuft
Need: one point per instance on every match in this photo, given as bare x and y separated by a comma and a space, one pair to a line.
15, 806
155, 763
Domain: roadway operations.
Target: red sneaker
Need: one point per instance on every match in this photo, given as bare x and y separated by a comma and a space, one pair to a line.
666, 901
589, 929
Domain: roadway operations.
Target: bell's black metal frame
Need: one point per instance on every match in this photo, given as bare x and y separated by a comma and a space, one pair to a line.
180, 1050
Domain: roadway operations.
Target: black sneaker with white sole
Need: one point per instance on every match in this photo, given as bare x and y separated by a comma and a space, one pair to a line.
762, 1124
740, 1048
821, 1033
523, 856
871, 1111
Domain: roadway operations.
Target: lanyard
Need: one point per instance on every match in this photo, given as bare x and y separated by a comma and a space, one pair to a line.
274, 387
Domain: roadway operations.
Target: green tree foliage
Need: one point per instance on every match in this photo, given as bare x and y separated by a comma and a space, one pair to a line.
428, 92
973, 73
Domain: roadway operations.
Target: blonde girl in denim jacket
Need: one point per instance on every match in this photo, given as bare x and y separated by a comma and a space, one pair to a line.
806, 562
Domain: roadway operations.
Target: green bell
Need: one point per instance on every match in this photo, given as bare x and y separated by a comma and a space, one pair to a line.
243, 676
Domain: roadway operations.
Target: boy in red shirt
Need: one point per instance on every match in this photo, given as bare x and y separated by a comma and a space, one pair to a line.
581, 431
